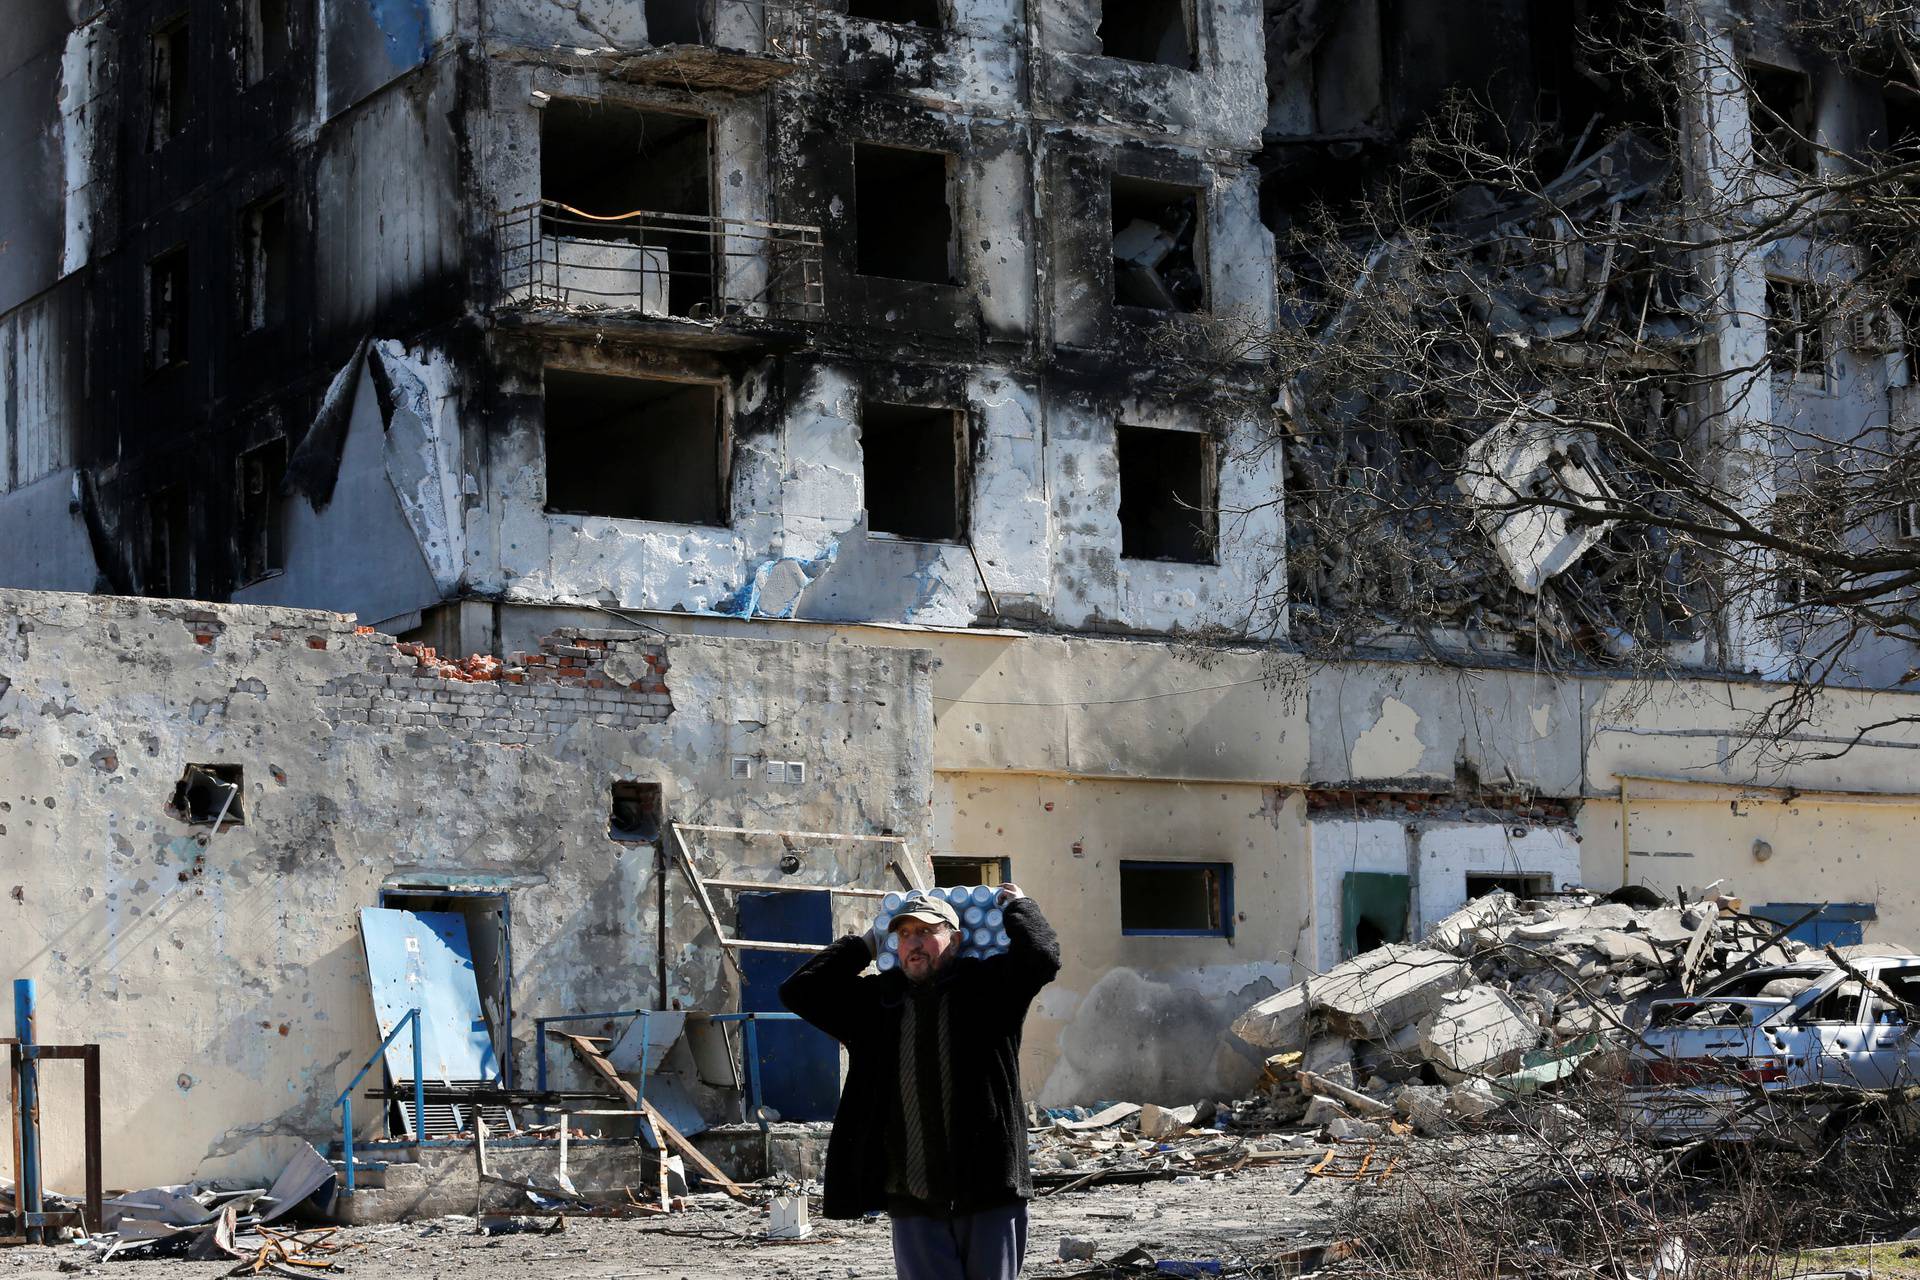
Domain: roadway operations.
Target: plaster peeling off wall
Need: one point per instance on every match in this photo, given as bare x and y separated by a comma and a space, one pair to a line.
423, 453
86, 149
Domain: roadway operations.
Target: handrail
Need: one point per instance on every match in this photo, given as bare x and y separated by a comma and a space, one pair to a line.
345, 1100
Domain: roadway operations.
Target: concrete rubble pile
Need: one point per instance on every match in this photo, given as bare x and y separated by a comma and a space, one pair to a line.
1129, 1142
1502, 999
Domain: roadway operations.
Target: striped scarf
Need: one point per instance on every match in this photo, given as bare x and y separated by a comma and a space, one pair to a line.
922, 1155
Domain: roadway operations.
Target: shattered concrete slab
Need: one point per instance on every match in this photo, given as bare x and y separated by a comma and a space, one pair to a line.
1476, 1032
1401, 985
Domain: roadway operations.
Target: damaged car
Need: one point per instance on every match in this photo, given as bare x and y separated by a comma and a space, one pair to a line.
1725, 1062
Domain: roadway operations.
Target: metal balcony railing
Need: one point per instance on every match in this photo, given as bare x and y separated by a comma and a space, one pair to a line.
661, 265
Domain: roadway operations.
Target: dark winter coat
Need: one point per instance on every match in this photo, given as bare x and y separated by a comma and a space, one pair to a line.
988, 1002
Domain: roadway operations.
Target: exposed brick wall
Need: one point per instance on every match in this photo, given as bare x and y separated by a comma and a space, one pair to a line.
1439, 805
611, 678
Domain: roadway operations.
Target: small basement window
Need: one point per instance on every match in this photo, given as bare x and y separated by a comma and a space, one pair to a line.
1519, 885
916, 471
265, 260
167, 310
257, 504
268, 40
903, 216
950, 869
633, 814
1177, 899
1780, 115
635, 448
168, 81
1167, 505
912, 13
206, 792
1158, 245
1147, 31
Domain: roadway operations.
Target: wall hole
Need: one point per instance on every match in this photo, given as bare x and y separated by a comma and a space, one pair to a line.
204, 790
633, 813
1146, 31
1167, 503
903, 214
916, 464
635, 448
1157, 245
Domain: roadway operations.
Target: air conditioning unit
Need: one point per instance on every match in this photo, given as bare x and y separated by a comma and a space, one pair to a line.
1906, 518
1874, 330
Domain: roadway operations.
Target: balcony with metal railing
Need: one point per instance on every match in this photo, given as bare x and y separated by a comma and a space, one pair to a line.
681, 279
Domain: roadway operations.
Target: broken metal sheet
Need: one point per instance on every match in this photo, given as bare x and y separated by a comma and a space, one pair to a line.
306, 1174
172, 1205
662, 1031
422, 959
1505, 475
669, 1095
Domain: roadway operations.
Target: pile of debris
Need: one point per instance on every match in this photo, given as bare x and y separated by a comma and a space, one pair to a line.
209, 1225
1127, 1142
1503, 998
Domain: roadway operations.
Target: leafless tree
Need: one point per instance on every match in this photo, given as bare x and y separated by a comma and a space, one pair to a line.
1574, 396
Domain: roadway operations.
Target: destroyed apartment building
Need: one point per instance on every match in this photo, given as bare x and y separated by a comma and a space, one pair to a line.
584, 470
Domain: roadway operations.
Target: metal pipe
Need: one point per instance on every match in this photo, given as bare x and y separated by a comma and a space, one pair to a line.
346, 1140
419, 1085
28, 1102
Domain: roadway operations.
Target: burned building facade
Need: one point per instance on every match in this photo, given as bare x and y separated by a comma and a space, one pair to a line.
865, 357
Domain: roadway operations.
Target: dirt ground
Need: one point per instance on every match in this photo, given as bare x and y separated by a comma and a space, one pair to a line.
1247, 1215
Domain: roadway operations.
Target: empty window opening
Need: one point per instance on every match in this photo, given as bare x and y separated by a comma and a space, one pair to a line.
1519, 884
635, 448
650, 171
916, 471
1146, 31
913, 13
1796, 332
1780, 112
166, 567
1158, 246
679, 22
1817, 520
167, 310
1901, 134
903, 217
265, 260
1177, 898
257, 505
1374, 909
167, 83
950, 870
209, 793
1167, 507
633, 813
268, 40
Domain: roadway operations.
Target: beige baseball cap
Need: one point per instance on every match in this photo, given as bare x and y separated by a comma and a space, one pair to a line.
928, 908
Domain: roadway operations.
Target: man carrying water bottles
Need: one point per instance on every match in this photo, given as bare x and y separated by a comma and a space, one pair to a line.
931, 1127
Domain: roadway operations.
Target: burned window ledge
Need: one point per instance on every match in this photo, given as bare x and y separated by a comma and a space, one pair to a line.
582, 519
875, 535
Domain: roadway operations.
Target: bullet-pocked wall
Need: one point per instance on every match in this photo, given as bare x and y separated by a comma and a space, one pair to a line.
222, 971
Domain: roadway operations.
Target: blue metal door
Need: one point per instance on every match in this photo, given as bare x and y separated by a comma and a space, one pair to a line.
1841, 923
799, 1066
422, 959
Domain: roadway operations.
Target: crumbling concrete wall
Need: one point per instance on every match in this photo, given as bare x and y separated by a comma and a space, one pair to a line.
222, 972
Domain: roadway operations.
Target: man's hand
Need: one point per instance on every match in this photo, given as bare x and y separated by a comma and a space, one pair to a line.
1008, 893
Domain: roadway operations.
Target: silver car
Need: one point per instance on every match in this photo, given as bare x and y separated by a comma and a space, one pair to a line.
1705, 1064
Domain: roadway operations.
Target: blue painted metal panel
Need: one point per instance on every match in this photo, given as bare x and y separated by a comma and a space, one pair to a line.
799, 1065
1839, 923
422, 958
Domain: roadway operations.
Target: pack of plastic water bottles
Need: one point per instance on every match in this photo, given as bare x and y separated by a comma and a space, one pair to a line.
983, 926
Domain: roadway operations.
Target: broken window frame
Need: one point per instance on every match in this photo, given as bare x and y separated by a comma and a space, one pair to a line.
169, 291
1208, 510
169, 86
956, 261
1799, 350
1217, 884
166, 565
1782, 142
1818, 522
259, 514
1189, 26
228, 781
1198, 251
263, 57
962, 477
723, 446
264, 276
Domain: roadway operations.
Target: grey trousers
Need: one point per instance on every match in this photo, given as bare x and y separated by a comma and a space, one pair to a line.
990, 1245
